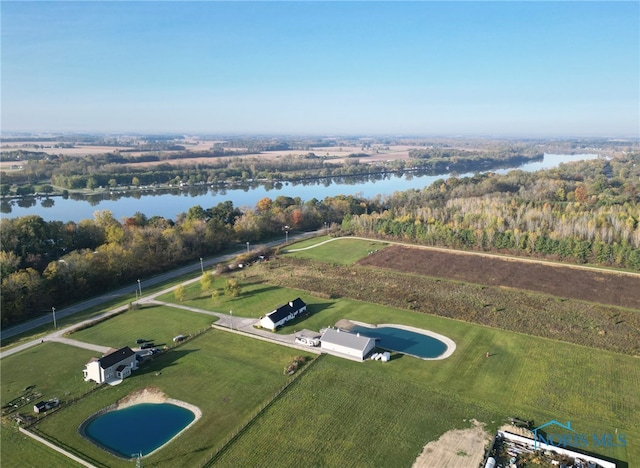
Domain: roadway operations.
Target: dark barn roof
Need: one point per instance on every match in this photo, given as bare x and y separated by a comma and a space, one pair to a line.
286, 309
115, 357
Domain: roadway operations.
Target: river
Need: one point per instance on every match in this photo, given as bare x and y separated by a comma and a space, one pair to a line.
169, 205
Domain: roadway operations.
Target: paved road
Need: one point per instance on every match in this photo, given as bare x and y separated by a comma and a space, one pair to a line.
58, 335
130, 291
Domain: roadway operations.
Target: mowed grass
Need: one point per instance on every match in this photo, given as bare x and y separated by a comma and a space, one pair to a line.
344, 251
255, 300
343, 413
227, 376
56, 371
152, 322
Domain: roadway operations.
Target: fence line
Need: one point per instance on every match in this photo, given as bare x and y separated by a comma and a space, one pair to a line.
57, 446
261, 410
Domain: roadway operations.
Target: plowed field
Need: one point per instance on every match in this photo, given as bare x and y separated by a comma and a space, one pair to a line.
563, 281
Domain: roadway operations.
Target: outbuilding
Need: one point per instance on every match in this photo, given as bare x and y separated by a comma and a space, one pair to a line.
113, 366
278, 317
350, 344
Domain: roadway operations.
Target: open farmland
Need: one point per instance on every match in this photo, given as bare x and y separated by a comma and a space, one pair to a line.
601, 286
336, 408
588, 323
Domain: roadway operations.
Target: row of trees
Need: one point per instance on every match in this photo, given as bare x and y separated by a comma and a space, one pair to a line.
44, 263
586, 212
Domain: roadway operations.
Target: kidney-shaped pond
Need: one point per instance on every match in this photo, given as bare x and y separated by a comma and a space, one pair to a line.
139, 429
423, 345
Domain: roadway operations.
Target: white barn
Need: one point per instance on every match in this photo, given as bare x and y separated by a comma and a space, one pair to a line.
112, 366
349, 344
283, 314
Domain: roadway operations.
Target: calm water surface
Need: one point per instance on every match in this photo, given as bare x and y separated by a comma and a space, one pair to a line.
170, 205
404, 341
138, 429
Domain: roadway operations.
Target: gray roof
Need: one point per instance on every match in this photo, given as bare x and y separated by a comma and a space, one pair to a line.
115, 357
343, 338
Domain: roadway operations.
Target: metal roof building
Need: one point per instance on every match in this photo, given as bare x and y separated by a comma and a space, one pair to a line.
345, 343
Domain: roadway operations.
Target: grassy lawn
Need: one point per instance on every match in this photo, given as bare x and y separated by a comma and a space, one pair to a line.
339, 413
255, 300
227, 376
62, 379
333, 415
152, 322
344, 251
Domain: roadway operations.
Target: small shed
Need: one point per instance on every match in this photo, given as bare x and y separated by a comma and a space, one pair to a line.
349, 344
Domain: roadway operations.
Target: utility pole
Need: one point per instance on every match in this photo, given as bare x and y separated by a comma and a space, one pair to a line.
53, 310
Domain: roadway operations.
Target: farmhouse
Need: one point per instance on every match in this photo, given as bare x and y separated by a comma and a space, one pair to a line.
283, 314
112, 366
345, 343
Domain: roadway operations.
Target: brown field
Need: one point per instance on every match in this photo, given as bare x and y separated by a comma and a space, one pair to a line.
600, 286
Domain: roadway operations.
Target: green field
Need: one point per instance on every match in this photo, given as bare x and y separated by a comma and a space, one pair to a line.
338, 251
339, 412
152, 322
227, 376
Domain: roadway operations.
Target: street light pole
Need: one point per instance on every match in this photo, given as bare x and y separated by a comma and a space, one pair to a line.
231, 320
286, 234
247, 246
201, 266
140, 289
53, 311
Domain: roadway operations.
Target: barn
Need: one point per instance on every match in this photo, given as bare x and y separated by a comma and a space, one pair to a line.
283, 314
345, 343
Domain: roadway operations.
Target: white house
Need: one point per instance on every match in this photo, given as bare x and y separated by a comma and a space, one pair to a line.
349, 344
283, 314
112, 366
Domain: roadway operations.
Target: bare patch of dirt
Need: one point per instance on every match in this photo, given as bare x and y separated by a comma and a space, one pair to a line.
598, 286
144, 395
460, 448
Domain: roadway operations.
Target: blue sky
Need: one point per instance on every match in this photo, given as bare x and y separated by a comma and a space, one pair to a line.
420, 68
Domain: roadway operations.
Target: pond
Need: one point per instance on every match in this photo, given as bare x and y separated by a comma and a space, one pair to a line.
413, 343
139, 429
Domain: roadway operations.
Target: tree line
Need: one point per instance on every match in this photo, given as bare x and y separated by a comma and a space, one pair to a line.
54, 263
585, 212
581, 212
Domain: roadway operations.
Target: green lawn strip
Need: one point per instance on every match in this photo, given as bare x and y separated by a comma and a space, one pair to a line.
38, 332
255, 300
227, 376
151, 322
342, 251
21, 450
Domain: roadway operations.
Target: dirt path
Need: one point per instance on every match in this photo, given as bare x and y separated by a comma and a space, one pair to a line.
460, 448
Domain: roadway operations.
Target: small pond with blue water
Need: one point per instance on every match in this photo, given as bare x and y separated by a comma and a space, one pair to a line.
404, 341
138, 429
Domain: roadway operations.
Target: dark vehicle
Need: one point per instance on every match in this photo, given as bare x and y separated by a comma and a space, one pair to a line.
140, 341
148, 345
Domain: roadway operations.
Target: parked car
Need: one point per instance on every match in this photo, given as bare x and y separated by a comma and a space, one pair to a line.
140, 341
148, 345
179, 338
